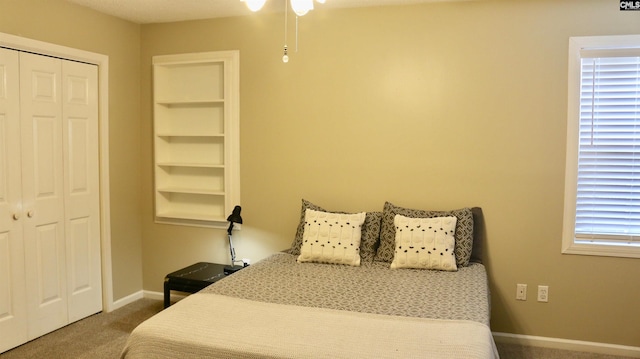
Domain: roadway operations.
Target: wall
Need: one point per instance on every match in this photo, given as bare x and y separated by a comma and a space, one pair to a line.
62, 23
431, 106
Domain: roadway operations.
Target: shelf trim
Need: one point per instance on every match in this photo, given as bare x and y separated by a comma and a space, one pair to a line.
216, 135
171, 102
205, 192
184, 164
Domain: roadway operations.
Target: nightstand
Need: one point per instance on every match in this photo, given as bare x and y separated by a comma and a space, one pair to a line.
192, 279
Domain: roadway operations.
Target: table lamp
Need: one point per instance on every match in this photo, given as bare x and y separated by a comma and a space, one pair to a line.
234, 217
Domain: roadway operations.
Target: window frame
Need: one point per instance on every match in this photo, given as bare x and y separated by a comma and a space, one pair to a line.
569, 244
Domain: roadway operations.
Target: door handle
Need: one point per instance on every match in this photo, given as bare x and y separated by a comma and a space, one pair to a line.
30, 214
16, 216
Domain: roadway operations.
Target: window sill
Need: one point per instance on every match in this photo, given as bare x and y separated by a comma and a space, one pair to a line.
605, 250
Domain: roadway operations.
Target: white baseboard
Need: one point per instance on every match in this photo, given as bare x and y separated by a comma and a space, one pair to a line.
145, 294
567, 344
153, 295
127, 300
160, 295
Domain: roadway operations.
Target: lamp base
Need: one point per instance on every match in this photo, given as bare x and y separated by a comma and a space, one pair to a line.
231, 269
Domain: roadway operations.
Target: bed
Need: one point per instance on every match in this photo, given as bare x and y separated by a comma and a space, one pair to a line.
294, 306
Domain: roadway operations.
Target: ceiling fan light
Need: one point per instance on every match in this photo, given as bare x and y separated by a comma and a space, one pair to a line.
254, 5
301, 7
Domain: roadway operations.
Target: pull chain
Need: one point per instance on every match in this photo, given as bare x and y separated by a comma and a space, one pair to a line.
285, 57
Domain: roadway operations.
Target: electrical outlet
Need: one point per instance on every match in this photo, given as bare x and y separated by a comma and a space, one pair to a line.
543, 293
521, 292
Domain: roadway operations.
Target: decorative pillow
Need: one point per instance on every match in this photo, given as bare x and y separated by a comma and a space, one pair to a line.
370, 236
463, 235
425, 243
370, 232
331, 238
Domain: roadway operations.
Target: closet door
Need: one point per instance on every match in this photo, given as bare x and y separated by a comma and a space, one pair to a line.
50, 270
43, 192
81, 188
13, 310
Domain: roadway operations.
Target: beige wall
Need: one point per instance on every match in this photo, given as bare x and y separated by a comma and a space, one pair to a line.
433, 106
62, 23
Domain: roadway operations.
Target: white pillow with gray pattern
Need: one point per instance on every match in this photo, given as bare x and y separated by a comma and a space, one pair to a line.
425, 243
331, 238
463, 236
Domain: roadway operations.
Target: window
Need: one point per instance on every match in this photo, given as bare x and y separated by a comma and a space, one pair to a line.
602, 188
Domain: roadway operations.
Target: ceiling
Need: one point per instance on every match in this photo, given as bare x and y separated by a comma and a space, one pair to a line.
154, 11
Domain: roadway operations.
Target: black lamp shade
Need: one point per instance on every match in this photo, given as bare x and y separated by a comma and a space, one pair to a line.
234, 217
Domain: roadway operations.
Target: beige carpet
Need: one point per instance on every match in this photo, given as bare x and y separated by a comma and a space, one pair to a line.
102, 336
99, 336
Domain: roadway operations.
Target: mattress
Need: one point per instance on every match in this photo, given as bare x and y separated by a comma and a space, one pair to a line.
369, 288
278, 308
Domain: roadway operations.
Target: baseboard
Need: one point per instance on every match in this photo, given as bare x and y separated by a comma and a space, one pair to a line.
127, 300
145, 294
567, 344
160, 295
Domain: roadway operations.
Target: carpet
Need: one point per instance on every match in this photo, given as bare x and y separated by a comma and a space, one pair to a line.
102, 335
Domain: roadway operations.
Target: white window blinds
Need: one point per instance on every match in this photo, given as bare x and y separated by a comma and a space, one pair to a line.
608, 186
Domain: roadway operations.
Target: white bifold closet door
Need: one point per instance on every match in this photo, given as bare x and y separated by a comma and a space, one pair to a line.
13, 298
50, 169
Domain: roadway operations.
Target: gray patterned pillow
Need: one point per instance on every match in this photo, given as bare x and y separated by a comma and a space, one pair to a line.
463, 235
370, 232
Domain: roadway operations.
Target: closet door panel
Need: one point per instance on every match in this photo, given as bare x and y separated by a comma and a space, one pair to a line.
43, 192
13, 310
82, 212
49, 280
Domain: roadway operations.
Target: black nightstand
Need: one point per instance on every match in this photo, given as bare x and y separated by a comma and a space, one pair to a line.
192, 279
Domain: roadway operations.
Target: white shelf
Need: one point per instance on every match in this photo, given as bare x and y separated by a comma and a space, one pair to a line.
186, 102
196, 137
191, 216
184, 164
188, 135
191, 191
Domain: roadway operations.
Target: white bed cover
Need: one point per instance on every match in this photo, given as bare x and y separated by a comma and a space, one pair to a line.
226, 327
